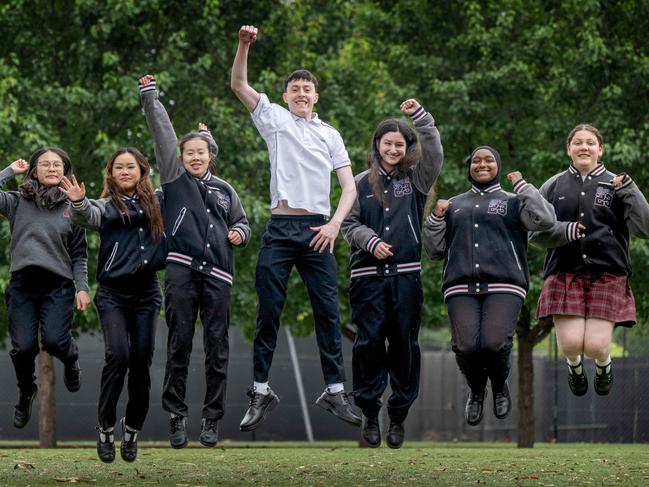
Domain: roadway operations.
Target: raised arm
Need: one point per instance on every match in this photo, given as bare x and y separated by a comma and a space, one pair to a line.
9, 200
536, 213
84, 212
162, 131
239, 76
636, 209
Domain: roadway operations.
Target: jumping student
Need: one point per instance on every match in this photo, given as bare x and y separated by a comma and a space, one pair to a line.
384, 230
587, 265
128, 299
48, 261
482, 237
303, 151
203, 220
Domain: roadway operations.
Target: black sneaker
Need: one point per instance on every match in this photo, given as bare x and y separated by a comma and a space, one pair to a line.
106, 445
72, 376
502, 402
259, 408
128, 447
23, 408
209, 432
338, 404
396, 434
178, 432
604, 380
474, 408
578, 382
371, 432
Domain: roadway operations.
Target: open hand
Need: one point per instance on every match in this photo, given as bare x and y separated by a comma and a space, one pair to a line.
325, 237
410, 106
72, 189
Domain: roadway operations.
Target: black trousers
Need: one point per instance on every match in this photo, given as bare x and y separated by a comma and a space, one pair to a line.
188, 292
386, 308
128, 320
34, 297
482, 328
286, 244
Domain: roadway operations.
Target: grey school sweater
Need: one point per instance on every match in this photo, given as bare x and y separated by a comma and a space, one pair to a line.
44, 238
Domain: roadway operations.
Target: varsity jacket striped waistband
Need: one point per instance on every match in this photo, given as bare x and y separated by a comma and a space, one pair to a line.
386, 270
486, 288
201, 266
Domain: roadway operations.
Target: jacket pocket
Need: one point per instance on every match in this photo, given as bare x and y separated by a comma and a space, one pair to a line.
111, 258
179, 220
518, 262
412, 227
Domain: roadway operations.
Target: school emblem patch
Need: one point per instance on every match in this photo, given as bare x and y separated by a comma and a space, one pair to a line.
603, 196
223, 200
402, 187
497, 207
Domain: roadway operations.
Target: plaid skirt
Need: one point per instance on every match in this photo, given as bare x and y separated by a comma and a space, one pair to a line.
605, 296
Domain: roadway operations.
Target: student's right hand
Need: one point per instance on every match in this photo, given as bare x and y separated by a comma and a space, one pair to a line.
442, 207
19, 166
248, 34
72, 190
146, 79
382, 251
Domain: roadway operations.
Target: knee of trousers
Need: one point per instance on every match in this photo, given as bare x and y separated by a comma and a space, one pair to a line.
55, 345
24, 351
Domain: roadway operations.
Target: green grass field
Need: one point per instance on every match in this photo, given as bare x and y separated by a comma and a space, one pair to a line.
334, 464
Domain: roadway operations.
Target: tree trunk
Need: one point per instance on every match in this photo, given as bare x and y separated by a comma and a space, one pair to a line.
525, 381
47, 415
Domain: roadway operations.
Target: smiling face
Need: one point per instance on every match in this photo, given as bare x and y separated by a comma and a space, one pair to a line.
301, 96
585, 150
126, 172
196, 156
484, 166
392, 149
50, 169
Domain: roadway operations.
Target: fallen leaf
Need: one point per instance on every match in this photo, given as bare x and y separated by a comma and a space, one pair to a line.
23, 466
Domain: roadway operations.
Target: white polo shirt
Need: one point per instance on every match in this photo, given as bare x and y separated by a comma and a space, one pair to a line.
302, 156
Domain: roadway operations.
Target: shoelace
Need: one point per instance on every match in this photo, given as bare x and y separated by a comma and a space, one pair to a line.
210, 425
176, 424
254, 398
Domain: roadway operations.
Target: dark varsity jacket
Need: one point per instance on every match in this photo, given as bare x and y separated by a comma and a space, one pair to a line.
198, 212
397, 220
127, 250
483, 239
610, 215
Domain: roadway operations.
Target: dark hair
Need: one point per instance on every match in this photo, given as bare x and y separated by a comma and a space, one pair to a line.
32, 189
143, 188
412, 155
301, 74
211, 145
585, 126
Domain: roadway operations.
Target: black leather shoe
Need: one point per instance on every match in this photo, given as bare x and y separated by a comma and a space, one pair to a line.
338, 404
23, 408
604, 380
258, 410
578, 382
474, 408
502, 402
128, 447
72, 376
178, 432
370, 431
395, 434
209, 432
106, 446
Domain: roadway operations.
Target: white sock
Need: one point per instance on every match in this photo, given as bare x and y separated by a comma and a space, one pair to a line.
261, 388
106, 433
335, 388
574, 363
130, 434
605, 364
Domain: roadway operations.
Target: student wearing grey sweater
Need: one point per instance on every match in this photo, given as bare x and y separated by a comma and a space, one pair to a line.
48, 272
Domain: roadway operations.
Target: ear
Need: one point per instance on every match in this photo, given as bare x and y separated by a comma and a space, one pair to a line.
285, 97
316, 97
601, 150
568, 149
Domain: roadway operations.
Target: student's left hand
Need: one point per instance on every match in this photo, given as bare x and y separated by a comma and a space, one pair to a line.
618, 180
235, 237
514, 177
410, 106
83, 300
203, 128
72, 189
325, 237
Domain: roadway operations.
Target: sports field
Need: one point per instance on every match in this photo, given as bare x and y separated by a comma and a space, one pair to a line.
333, 464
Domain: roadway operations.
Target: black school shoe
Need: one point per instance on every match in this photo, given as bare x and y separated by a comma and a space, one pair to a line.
178, 432
604, 380
578, 382
371, 432
260, 406
128, 447
338, 404
502, 402
23, 408
72, 376
474, 409
209, 432
106, 446
396, 434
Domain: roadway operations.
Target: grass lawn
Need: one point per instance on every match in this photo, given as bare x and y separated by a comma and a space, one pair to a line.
333, 464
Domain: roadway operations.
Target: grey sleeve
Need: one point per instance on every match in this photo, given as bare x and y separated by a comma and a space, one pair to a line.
163, 133
357, 234
8, 199
434, 237
432, 153
87, 213
78, 251
536, 213
636, 209
238, 221
560, 233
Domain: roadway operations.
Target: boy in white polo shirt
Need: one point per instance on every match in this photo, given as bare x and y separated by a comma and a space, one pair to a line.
303, 151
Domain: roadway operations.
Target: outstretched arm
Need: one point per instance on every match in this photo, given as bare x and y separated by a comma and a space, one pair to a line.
8, 201
239, 76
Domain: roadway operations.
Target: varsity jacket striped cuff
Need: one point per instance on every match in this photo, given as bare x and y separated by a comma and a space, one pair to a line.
625, 182
241, 231
433, 219
372, 243
79, 204
572, 231
419, 114
147, 88
520, 186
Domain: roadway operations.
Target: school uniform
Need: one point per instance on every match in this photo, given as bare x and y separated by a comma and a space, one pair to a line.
386, 295
198, 214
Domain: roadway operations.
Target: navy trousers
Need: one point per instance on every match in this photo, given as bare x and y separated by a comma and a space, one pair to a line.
286, 244
386, 309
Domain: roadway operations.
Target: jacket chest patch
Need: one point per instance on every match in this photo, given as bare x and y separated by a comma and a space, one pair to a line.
223, 200
603, 197
402, 187
497, 207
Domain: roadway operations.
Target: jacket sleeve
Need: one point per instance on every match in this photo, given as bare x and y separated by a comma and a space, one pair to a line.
356, 233
434, 236
536, 213
636, 209
78, 251
8, 199
87, 213
163, 133
432, 154
238, 222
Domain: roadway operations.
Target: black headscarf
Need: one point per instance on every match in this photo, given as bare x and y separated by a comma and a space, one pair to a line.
496, 179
